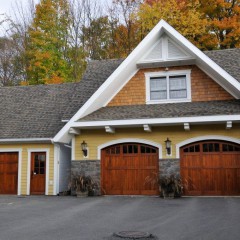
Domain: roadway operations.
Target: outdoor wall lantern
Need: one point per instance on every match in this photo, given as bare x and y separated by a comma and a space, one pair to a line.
168, 146
84, 147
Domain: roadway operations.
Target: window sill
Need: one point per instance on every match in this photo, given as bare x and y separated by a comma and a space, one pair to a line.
167, 101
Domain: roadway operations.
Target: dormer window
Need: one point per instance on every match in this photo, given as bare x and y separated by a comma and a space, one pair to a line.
168, 86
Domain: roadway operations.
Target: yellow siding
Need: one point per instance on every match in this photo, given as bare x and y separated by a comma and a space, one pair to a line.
25, 148
176, 134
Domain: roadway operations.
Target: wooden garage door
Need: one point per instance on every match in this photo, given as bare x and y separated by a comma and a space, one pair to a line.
129, 169
211, 168
8, 173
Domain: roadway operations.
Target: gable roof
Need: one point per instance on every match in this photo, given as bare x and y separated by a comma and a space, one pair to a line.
36, 112
128, 68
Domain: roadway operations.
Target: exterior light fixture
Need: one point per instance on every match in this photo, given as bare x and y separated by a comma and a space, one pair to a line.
168, 146
84, 148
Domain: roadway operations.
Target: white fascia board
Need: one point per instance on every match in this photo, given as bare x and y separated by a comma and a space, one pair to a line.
159, 121
9, 140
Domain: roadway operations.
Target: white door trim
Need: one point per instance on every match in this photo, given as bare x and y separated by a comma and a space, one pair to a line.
125, 140
202, 138
19, 150
30, 150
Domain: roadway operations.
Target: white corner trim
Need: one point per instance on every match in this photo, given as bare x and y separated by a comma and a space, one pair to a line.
19, 192
73, 148
56, 169
202, 138
125, 140
19, 151
30, 150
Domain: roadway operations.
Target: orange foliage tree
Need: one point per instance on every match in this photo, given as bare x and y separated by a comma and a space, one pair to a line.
223, 23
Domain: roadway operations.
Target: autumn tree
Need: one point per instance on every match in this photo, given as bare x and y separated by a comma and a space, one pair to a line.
183, 15
10, 67
127, 28
48, 43
223, 23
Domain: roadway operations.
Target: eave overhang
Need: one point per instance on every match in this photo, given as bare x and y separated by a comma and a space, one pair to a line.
158, 122
25, 140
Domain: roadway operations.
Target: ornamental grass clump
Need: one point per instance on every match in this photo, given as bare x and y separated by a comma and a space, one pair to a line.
171, 187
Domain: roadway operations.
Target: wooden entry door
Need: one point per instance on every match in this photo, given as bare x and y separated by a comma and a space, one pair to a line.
8, 173
211, 168
38, 173
129, 169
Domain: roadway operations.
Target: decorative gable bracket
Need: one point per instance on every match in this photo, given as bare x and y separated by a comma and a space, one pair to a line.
74, 131
147, 128
109, 129
186, 126
228, 124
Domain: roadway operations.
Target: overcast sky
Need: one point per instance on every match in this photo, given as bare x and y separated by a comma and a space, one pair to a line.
7, 5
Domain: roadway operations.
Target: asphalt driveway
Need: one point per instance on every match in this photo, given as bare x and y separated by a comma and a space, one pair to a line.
71, 218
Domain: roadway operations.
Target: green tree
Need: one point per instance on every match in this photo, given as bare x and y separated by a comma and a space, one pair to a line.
97, 37
48, 43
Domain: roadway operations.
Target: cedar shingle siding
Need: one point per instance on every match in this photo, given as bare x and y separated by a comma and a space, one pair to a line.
203, 88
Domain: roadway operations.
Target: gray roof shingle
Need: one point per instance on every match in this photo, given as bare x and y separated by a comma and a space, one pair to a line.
228, 59
37, 111
169, 110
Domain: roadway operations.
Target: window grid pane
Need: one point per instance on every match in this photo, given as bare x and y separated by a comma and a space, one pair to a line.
158, 88
169, 87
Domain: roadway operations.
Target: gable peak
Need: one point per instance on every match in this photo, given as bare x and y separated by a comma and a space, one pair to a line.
165, 49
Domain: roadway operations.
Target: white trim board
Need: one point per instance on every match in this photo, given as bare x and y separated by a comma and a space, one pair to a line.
125, 140
25, 140
19, 151
203, 138
129, 66
159, 121
30, 150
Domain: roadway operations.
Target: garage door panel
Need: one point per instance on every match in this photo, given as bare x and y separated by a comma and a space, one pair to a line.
212, 183
218, 165
231, 160
8, 173
192, 160
232, 181
125, 172
211, 161
192, 181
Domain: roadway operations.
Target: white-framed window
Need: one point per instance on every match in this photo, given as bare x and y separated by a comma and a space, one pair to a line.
168, 86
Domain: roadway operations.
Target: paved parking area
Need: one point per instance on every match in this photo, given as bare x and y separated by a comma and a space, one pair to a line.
71, 218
